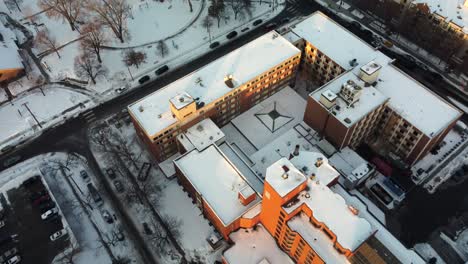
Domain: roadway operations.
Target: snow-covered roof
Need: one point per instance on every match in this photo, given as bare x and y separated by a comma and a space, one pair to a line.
455, 11
10, 58
241, 165
331, 209
201, 135
181, 100
284, 177
306, 162
348, 115
270, 118
252, 246
334, 41
317, 239
207, 83
348, 162
217, 180
410, 99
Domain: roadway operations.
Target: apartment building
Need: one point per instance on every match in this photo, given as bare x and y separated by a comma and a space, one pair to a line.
221, 90
368, 99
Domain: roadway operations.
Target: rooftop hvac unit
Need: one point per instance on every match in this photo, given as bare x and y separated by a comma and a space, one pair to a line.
369, 73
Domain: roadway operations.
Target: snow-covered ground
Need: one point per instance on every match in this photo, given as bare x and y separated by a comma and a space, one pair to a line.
90, 246
151, 21
167, 197
35, 111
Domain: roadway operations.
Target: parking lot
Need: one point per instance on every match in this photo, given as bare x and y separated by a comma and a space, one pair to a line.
31, 234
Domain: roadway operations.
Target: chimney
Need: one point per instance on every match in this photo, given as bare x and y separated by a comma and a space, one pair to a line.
228, 80
296, 150
285, 174
319, 162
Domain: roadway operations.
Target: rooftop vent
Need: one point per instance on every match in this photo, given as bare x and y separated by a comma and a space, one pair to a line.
285, 168
228, 80
141, 109
319, 162
181, 99
296, 150
275, 35
353, 209
200, 128
307, 195
353, 63
347, 120
285, 176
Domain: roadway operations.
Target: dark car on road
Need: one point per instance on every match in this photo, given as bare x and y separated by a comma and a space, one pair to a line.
111, 173
144, 79
257, 22
162, 70
271, 26
118, 186
231, 35
214, 45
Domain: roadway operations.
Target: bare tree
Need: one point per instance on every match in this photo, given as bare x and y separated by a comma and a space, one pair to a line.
14, 4
134, 58
47, 41
69, 257
217, 10
69, 10
94, 38
207, 23
113, 14
162, 48
240, 6
87, 65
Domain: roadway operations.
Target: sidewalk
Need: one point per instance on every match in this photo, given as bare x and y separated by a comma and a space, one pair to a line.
347, 11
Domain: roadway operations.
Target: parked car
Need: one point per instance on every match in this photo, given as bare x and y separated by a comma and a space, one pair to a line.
119, 234
49, 213
214, 45
58, 234
107, 217
162, 70
245, 29
84, 175
271, 26
121, 89
231, 35
14, 260
118, 186
53, 218
257, 22
8, 254
110, 172
31, 181
11, 161
285, 20
46, 206
144, 79
41, 200
35, 195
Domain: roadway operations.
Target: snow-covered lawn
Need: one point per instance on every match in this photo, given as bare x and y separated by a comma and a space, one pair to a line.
17, 123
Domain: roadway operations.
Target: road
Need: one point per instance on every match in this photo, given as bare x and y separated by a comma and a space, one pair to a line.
55, 139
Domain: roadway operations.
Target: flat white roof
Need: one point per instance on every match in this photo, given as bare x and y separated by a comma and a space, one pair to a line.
305, 162
253, 247
217, 180
272, 117
201, 135
414, 102
455, 11
317, 239
334, 41
181, 100
348, 162
331, 209
284, 177
207, 83
369, 100
10, 58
